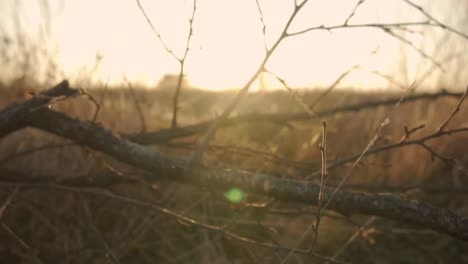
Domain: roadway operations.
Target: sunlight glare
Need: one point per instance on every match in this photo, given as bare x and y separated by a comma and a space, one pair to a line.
227, 45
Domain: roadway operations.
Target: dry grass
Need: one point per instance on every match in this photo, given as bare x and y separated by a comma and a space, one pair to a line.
54, 224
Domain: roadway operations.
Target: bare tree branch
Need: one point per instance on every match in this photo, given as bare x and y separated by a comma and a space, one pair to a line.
155, 31
423, 54
98, 234
161, 167
419, 141
366, 25
437, 22
182, 67
359, 3
455, 110
22, 243
180, 59
197, 155
262, 20
166, 135
137, 104
11, 116
8, 201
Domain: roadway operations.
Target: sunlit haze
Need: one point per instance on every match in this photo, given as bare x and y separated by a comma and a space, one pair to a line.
228, 45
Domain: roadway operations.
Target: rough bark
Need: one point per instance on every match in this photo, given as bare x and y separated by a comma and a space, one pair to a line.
11, 116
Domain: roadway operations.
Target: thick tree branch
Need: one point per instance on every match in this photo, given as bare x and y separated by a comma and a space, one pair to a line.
162, 167
11, 116
165, 135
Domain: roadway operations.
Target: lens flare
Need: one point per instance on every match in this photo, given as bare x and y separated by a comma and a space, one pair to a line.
234, 195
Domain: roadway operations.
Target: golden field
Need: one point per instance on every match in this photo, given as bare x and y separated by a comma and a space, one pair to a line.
53, 222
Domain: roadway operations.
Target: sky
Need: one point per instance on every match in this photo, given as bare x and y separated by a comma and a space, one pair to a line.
227, 45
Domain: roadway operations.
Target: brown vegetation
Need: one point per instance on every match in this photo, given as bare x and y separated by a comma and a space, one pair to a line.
55, 223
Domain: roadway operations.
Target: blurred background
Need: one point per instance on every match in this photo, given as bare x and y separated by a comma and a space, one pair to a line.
65, 39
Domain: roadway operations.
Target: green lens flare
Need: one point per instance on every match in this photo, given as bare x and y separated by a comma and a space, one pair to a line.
234, 195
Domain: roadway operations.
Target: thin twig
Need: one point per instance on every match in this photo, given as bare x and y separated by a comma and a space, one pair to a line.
365, 25
315, 227
323, 151
434, 154
427, 188
455, 111
356, 234
198, 154
155, 31
359, 3
331, 87
408, 132
371, 143
307, 109
182, 67
375, 150
98, 234
8, 200
101, 100
180, 59
423, 54
440, 24
21, 242
262, 20
388, 78
137, 104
